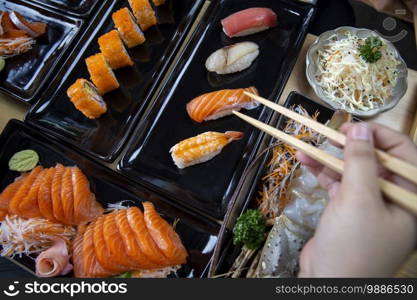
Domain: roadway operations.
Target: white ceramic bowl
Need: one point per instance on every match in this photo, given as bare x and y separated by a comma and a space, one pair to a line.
312, 68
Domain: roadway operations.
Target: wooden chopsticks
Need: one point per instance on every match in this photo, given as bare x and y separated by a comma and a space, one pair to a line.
398, 195
390, 162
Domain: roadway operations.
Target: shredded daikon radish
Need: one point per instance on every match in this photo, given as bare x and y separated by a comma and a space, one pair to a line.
17, 46
346, 78
24, 237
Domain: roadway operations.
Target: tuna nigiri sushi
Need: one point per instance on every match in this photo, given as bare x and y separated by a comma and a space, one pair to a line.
129, 30
215, 105
201, 148
249, 21
101, 74
144, 13
114, 51
232, 59
85, 97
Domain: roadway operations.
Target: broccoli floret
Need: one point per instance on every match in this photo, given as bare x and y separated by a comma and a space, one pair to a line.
250, 229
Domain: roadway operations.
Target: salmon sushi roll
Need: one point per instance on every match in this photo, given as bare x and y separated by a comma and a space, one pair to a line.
85, 97
128, 29
115, 53
101, 74
144, 13
159, 2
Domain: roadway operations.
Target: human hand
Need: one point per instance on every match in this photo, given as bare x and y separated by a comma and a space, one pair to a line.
390, 7
359, 233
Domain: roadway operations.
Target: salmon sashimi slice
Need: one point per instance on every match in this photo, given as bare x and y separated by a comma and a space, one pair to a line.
215, 105
56, 193
45, 196
92, 267
67, 197
3, 215
23, 191
29, 207
143, 237
102, 252
8, 193
164, 235
201, 148
86, 208
77, 252
131, 245
114, 243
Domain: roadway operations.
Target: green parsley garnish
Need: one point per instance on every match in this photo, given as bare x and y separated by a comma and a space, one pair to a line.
370, 50
250, 229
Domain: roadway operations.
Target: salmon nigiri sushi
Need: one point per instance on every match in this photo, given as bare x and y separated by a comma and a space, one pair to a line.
202, 148
144, 13
215, 105
114, 51
85, 97
101, 74
249, 21
129, 30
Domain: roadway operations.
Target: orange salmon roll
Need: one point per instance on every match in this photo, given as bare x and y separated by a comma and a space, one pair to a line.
144, 13
114, 51
101, 74
129, 31
85, 97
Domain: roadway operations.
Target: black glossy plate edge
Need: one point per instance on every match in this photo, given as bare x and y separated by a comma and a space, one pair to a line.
69, 51
60, 80
265, 116
248, 185
85, 14
117, 178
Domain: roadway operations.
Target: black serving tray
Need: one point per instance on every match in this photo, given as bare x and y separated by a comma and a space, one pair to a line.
198, 235
104, 138
82, 8
226, 252
208, 187
27, 75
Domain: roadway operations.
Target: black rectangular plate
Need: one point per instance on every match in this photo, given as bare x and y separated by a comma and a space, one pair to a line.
198, 235
82, 8
104, 138
208, 187
25, 76
225, 248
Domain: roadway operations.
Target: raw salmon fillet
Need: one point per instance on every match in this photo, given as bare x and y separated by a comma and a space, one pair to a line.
215, 105
7, 195
56, 193
67, 197
23, 191
101, 249
126, 240
60, 195
45, 196
29, 207
164, 235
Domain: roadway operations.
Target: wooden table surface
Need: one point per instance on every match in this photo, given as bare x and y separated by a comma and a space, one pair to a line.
400, 118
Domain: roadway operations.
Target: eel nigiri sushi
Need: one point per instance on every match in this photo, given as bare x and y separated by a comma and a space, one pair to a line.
249, 21
202, 148
128, 28
232, 59
101, 74
144, 13
215, 105
85, 97
114, 51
